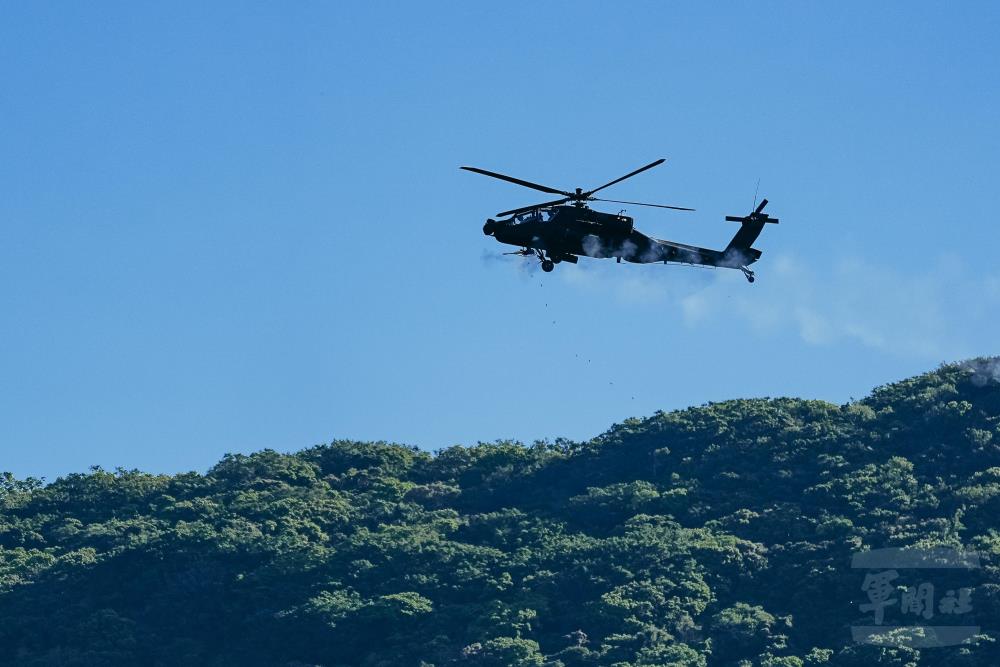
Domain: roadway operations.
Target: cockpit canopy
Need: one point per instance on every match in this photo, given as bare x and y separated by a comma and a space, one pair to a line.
536, 215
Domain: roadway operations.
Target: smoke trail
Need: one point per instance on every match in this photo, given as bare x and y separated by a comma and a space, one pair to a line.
983, 369
592, 246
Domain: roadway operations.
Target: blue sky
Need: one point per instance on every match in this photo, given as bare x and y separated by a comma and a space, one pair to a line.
240, 226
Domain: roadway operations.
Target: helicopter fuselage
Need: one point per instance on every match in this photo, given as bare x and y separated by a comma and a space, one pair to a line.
564, 232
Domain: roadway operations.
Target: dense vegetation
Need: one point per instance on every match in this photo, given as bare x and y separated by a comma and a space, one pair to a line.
717, 535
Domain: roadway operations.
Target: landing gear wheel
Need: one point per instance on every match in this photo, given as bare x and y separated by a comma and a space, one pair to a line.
748, 273
750, 279
547, 265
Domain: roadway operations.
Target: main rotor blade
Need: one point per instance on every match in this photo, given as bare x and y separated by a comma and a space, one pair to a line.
639, 203
518, 181
760, 208
531, 208
637, 171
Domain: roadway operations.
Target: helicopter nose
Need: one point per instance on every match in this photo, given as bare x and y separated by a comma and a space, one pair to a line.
489, 227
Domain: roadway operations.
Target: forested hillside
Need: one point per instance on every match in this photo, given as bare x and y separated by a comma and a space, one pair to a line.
716, 535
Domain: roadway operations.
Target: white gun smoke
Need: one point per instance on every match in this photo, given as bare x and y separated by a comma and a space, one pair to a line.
940, 313
984, 370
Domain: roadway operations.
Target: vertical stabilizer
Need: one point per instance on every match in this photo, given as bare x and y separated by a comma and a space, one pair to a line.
750, 228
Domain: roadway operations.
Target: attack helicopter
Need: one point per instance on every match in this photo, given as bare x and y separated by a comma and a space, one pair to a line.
565, 229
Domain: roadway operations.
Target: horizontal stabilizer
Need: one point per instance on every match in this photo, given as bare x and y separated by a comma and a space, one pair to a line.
758, 218
758, 215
